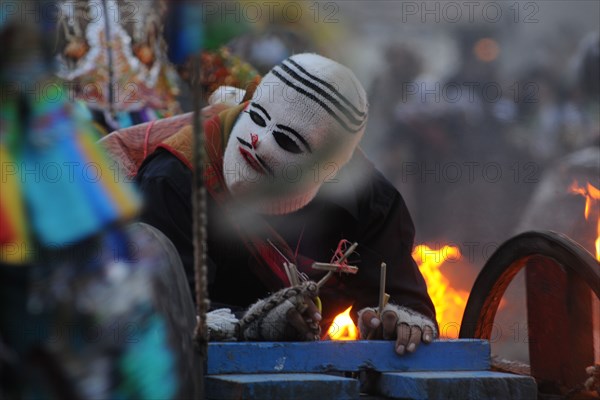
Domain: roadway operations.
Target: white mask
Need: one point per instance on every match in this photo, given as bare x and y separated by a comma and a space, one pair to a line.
301, 126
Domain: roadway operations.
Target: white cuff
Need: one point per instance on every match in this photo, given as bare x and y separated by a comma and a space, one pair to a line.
411, 317
405, 315
221, 325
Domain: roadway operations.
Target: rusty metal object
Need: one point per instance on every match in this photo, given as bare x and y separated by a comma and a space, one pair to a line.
560, 324
507, 261
560, 277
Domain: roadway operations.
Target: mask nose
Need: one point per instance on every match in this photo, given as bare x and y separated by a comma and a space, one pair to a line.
254, 140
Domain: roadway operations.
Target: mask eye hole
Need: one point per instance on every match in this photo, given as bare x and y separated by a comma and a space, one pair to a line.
257, 119
286, 143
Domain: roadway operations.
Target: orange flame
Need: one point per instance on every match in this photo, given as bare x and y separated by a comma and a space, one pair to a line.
592, 196
449, 303
342, 327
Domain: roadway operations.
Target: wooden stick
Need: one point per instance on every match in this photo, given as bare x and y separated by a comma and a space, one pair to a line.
382, 278
341, 260
348, 252
350, 269
288, 273
290, 269
294, 272
385, 300
383, 296
324, 279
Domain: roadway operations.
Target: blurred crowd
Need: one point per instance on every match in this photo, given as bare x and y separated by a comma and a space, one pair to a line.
477, 143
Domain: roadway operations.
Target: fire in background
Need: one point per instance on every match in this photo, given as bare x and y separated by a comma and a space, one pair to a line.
592, 197
449, 302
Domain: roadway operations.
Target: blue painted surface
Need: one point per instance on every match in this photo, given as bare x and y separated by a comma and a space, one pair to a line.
281, 386
459, 385
306, 357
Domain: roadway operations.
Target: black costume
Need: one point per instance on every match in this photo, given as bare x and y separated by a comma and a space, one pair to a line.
375, 216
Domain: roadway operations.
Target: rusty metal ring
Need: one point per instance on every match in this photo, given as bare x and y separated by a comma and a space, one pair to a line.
507, 261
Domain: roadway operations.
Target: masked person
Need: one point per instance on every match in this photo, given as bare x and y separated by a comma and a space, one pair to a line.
287, 183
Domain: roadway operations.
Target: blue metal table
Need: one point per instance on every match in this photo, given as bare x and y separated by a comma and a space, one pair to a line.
446, 369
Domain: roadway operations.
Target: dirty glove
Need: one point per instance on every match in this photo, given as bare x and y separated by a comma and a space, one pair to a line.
290, 314
407, 326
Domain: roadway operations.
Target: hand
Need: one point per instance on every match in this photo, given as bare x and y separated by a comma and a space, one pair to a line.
289, 314
305, 319
407, 327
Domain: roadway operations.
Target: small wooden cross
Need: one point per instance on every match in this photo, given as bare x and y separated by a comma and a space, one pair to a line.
337, 267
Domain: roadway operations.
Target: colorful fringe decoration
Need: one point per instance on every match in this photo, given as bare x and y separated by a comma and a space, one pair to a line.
14, 235
58, 185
